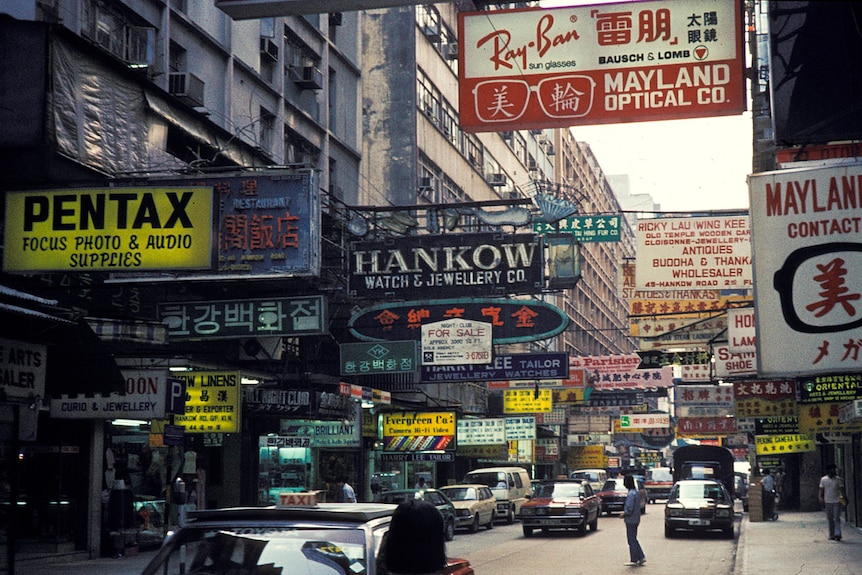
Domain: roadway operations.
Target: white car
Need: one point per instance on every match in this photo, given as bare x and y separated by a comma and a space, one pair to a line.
475, 505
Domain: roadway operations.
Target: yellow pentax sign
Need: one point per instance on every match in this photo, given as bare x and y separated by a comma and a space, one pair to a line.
109, 229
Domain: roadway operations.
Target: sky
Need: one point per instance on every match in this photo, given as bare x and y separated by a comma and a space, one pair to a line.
685, 165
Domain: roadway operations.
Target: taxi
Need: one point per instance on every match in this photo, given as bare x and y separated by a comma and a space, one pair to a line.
299, 535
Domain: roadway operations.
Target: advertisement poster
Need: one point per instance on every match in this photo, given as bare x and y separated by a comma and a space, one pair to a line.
807, 245
610, 63
212, 401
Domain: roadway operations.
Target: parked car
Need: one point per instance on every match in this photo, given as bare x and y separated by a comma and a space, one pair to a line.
475, 505
740, 488
613, 495
596, 477
561, 504
658, 482
301, 537
434, 496
699, 505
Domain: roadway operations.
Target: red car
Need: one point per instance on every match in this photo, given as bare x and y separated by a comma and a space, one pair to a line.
561, 504
613, 496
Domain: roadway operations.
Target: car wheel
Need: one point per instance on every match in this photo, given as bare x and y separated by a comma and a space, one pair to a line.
475, 526
643, 509
450, 530
528, 531
490, 524
510, 517
582, 528
668, 531
594, 525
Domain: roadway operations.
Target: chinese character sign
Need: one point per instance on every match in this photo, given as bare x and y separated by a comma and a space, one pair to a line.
599, 64
212, 401
807, 242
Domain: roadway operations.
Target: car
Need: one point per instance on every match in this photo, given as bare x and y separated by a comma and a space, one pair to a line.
613, 495
699, 505
511, 487
561, 504
434, 496
596, 477
475, 505
658, 482
299, 535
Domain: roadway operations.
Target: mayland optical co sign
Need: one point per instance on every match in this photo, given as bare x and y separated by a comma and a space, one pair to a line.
634, 61
109, 229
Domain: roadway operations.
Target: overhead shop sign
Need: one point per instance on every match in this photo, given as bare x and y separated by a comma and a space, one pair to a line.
527, 401
512, 320
456, 342
524, 366
149, 394
454, 264
202, 320
418, 431
693, 253
268, 226
839, 388
379, 357
109, 229
729, 364
764, 398
212, 401
585, 229
781, 444
644, 421
807, 225
609, 372
23, 368
623, 62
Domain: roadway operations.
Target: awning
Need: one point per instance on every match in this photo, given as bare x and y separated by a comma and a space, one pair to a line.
78, 362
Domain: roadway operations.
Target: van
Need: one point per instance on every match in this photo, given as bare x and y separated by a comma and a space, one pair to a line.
511, 487
595, 477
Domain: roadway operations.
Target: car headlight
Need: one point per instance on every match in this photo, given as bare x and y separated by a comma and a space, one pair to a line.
528, 511
674, 511
722, 512
463, 512
573, 511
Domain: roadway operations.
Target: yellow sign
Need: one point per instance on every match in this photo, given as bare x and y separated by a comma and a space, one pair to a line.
780, 444
212, 401
587, 457
415, 424
109, 229
527, 401
825, 418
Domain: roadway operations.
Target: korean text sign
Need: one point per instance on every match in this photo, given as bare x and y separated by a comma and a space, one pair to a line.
109, 229
807, 248
537, 68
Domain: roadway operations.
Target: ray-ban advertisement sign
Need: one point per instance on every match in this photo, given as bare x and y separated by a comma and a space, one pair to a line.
454, 264
621, 62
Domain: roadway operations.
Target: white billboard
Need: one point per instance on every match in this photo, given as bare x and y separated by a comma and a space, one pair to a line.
807, 248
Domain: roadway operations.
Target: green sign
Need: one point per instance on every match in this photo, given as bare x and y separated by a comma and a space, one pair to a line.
584, 228
379, 357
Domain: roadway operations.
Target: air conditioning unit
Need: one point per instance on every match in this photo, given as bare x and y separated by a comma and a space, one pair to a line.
335, 18
497, 179
451, 51
269, 49
426, 183
187, 87
550, 150
307, 77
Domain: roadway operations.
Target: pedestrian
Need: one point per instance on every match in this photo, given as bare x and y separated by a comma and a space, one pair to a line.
831, 496
420, 484
632, 518
415, 543
348, 495
768, 484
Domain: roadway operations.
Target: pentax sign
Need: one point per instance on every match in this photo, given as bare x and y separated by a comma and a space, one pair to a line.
807, 242
622, 62
109, 229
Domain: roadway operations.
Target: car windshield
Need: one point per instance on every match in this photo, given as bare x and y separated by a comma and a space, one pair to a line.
699, 491
398, 496
490, 478
559, 490
263, 550
611, 485
461, 493
659, 475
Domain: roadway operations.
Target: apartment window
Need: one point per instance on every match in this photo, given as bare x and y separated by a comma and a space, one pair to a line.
176, 58
267, 129
429, 21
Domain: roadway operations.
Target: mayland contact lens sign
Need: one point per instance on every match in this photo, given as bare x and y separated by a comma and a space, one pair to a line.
109, 229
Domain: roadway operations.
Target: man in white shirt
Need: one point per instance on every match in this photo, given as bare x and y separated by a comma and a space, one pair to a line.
831, 492
768, 483
348, 495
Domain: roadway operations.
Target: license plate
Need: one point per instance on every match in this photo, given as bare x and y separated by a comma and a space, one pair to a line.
698, 522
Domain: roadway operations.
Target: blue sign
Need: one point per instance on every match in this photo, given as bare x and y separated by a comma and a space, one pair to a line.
503, 368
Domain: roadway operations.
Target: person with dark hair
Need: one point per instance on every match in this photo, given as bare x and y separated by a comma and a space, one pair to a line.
347, 494
831, 496
415, 543
632, 518
768, 484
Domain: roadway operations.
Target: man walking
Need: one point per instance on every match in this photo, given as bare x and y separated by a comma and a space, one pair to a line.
831, 494
768, 483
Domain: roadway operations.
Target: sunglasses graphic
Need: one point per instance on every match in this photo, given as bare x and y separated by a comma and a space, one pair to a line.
560, 97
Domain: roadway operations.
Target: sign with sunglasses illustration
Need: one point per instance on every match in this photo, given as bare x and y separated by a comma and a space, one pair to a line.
807, 252
623, 62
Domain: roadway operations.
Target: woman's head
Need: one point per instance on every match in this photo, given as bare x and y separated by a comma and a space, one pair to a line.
415, 542
629, 482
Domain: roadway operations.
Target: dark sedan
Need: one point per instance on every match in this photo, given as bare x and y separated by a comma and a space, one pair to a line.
433, 496
613, 496
563, 504
699, 505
